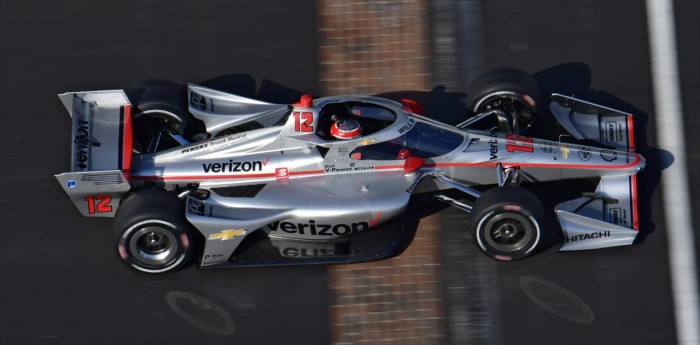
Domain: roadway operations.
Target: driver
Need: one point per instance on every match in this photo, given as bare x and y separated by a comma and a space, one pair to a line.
345, 128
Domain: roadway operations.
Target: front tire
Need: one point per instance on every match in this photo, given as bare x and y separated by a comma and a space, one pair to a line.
152, 234
509, 90
507, 223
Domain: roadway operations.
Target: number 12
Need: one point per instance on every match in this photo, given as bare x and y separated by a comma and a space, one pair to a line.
518, 143
99, 204
303, 122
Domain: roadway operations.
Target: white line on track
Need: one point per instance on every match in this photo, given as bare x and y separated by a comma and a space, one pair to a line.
674, 181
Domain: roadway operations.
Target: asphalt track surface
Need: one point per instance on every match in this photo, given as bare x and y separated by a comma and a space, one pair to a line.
60, 282
595, 50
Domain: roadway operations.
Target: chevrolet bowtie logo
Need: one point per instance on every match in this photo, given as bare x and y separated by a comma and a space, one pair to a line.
227, 234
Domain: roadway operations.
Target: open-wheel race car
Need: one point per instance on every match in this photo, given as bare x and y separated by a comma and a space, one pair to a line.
233, 181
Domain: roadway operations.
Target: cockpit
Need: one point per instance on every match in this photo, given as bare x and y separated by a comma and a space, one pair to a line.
350, 120
422, 140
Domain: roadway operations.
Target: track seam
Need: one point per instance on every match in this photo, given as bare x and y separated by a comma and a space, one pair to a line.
667, 101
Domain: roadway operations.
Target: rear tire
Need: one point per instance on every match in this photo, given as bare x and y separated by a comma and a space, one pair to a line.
152, 234
507, 223
162, 108
509, 90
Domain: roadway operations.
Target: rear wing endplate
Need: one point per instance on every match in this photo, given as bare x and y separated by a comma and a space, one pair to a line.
101, 149
95, 193
101, 131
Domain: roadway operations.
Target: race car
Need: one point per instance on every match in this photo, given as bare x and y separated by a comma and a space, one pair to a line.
232, 181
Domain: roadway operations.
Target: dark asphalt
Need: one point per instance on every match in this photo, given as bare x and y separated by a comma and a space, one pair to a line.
61, 281
596, 50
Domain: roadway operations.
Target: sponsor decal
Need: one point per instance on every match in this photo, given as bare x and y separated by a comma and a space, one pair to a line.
233, 166
72, 184
618, 216
613, 132
82, 142
564, 152
591, 236
195, 207
236, 137
413, 185
518, 143
210, 145
226, 235
493, 146
282, 174
99, 204
343, 150
198, 101
407, 127
584, 153
195, 148
362, 167
548, 148
213, 259
316, 229
293, 252
218, 256
608, 156
366, 142
331, 168
217, 142
374, 221
368, 167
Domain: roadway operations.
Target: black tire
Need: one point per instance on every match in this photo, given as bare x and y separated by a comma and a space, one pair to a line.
161, 107
152, 234
507, 223
510, 90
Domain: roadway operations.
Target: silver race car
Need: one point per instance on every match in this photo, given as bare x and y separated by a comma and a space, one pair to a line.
235, 181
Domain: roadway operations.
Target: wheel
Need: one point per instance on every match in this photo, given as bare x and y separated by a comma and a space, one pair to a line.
159, 114
152, 234
512, 91
507, 223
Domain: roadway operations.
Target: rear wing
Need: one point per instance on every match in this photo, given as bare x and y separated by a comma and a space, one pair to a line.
101, 150
101, 132
585, 120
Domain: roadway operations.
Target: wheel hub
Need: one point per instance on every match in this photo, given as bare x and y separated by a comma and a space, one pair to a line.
508, 232
153, 242
153, 245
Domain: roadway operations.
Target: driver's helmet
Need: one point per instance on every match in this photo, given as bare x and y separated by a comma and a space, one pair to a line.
345, 128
